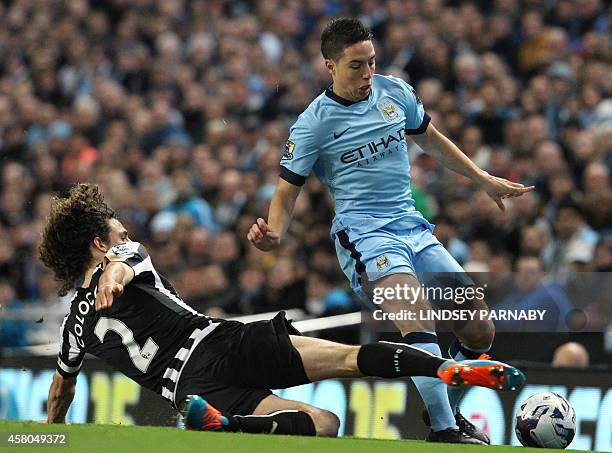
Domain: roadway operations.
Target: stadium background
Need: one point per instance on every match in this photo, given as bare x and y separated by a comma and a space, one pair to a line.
180, 110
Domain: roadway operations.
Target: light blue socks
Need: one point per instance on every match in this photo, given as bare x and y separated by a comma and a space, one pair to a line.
432, 390
459, 351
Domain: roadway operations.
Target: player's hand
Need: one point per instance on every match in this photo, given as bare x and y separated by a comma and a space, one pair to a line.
262, 237
106, 294
500, 188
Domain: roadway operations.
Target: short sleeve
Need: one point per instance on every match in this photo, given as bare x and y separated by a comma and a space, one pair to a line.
72, 349
300, 154
417, 119
133, 254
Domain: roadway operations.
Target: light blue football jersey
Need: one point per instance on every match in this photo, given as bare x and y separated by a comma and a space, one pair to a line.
358, 150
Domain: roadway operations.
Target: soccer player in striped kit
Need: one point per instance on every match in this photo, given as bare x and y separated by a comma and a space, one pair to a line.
126, 313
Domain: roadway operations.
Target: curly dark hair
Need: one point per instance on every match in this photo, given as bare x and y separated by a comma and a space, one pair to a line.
341, 33
71, 226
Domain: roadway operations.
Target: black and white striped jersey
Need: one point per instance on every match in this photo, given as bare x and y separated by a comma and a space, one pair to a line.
148, 334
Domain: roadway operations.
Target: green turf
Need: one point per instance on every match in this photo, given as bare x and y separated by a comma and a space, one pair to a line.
131, 439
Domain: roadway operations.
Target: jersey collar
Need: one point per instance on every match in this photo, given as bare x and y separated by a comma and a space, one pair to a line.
340, 100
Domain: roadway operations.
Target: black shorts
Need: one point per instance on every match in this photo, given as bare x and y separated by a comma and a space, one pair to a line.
235, 366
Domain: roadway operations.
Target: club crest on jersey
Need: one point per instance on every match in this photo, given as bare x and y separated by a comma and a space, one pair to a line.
288, 153
382, 263
388, 109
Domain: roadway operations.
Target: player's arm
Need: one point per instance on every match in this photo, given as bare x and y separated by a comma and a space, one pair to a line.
434, 143
267, 235
61, 395
112, 281
300, 154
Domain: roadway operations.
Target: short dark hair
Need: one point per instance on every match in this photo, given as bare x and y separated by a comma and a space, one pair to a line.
341, 33
72, 224
572, 204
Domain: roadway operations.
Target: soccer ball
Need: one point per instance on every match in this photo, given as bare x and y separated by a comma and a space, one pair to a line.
545, 420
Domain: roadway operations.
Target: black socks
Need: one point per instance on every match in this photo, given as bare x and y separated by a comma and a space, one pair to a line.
392, 360
282, 422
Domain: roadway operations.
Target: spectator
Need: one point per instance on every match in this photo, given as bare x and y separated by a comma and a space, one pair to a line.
533, 292
571, 355
188, 202
13, 331
573, 235
445, 233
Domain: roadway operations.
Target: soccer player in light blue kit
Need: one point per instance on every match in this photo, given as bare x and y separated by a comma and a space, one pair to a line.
353, 137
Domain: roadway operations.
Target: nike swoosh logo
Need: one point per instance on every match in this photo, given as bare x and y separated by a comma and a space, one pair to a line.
341, 133
274, 426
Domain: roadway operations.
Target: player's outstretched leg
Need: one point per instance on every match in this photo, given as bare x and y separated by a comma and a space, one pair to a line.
373, 360
199, 415
324, 359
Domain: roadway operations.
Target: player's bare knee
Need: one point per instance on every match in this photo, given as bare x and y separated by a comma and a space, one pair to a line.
326, 422
479, 335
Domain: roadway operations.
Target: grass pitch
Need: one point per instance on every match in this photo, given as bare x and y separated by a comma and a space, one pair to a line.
132, 439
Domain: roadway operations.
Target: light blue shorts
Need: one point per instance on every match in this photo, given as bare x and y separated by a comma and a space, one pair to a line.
387, 251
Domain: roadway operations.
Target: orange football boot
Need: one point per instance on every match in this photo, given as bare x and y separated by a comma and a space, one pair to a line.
482, 373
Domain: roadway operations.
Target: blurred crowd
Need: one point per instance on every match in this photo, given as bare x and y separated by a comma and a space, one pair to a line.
180, 110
